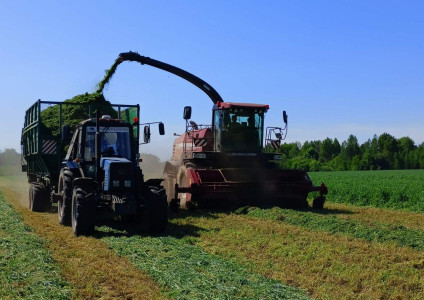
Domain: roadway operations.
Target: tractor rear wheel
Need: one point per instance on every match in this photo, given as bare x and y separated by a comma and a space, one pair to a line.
64, 205
154, 215
83, 212
39, 198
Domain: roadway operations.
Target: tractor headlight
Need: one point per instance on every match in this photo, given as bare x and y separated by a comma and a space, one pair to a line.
115, 183
127, 183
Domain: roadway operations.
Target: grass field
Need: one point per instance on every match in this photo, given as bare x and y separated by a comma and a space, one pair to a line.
399, 189
342, 252
27, 269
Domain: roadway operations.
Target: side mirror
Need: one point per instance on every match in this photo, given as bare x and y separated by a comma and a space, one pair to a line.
146, 134
285, 116
161, 128
187, 112
66, 134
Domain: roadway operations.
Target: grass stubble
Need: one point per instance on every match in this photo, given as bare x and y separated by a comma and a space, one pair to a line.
186, 271
91, 268
285, 247
26, 267
327, 265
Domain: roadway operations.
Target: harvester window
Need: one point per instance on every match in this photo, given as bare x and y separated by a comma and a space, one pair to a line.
243, 132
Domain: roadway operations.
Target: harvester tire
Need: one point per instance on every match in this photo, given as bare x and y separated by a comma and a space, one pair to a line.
154, 216
169, 185
182, 183
39, 198
318, 202
64, 206
83, 212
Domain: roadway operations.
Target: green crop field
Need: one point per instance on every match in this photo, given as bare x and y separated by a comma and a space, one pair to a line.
399, 189
345, 251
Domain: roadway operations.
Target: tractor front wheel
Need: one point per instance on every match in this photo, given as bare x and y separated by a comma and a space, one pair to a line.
83, 212
64, 205
154, 214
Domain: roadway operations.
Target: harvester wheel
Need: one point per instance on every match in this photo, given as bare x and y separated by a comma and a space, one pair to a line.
154, 216
185, 198
64, 206
83, 212
169, 185
318, 202
39, 197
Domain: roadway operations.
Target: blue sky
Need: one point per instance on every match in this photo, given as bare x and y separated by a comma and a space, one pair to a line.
337, 67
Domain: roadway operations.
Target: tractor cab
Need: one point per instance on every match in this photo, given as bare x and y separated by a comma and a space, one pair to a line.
116, 142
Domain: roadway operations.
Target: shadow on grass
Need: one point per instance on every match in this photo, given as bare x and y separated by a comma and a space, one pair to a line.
245, 210
129, 229
334, 211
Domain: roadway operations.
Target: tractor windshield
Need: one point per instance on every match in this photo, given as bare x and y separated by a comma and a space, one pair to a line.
241, 130
114, 141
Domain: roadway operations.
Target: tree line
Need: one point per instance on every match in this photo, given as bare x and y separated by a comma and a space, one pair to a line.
383, 152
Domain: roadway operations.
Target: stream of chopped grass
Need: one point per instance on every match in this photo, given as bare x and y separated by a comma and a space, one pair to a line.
27, 270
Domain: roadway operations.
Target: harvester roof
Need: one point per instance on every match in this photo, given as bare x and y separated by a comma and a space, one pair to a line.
242, 105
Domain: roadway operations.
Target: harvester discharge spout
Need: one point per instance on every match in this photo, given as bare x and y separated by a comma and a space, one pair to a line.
133, 56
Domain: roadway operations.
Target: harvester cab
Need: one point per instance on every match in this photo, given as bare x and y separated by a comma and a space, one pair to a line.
227, 164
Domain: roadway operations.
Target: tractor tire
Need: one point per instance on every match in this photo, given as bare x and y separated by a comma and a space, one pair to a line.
64, 206
39, 198
83, 212
153, 218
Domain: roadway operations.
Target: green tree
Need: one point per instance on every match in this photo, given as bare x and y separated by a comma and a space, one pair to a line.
326, 152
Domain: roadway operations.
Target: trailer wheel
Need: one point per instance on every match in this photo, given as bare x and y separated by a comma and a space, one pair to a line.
154, 215
64, 206
30, 196
83, 212
39, 198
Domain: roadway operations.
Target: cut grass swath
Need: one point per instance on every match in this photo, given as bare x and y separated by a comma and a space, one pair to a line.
87, 263
328, 266
376, 232
187, 272
370, 215
27, 270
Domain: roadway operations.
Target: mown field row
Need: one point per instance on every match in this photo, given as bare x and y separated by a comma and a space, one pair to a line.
397, 189
27, 269
342, 252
